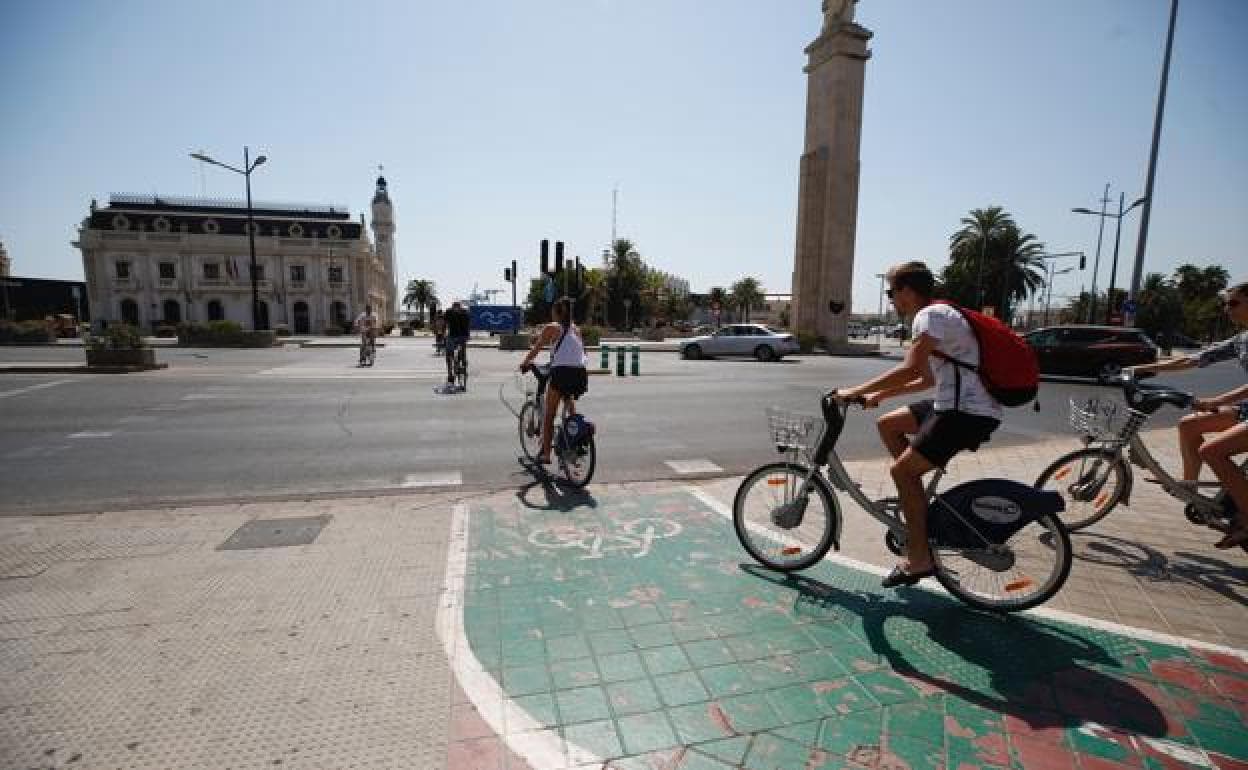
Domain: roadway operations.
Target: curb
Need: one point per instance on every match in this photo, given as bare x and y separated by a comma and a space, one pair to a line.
80, 369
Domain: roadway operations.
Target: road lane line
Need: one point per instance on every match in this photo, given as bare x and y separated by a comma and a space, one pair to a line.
28, 388
686, 467
91, 434
433, 479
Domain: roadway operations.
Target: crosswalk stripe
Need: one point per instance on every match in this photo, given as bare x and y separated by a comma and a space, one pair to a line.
686, 467
433, 479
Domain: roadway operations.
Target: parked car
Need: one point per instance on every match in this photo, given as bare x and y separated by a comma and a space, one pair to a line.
741, 340
1090, 351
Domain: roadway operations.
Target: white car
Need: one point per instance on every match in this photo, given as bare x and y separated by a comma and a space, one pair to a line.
741, 340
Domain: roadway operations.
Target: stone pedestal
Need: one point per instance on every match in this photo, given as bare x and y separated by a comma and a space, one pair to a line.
827, 211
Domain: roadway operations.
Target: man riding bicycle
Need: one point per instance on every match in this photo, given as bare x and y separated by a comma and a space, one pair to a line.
458, 329
1225, 416
928, 433
366, 324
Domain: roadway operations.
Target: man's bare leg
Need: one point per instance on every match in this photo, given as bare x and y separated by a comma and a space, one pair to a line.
907, 472
894, 428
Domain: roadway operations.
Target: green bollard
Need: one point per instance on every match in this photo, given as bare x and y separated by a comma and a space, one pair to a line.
636, 360
619, 361
604, 361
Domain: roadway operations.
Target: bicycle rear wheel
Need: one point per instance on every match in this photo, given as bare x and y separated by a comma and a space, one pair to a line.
1026, 570
578, 462
1090, 481
530, 429
777, 527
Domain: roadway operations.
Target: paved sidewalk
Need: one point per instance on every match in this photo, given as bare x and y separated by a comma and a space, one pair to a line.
533, 628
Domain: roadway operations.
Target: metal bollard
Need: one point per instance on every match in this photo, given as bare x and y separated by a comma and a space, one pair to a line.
604, 361
636, 360
619, 361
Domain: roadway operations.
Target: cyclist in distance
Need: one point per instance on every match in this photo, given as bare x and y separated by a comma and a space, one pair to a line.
928, 433
1225, 416
458, 328
568, 377
366, 324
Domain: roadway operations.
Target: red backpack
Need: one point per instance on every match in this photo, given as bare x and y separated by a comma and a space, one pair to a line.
1007, 364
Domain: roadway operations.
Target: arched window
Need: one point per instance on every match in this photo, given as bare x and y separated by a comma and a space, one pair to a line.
173, 311
302, 324
130, 312
339, 312
215, 311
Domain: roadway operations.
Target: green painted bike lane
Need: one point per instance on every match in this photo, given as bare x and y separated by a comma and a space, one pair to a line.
632, 630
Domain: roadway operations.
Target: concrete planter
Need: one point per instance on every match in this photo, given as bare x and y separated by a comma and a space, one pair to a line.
142, 357
515, 341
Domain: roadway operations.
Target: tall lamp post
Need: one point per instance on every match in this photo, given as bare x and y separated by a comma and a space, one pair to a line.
1051, 263
1113, 271
248, 166
1096, 263
879, 338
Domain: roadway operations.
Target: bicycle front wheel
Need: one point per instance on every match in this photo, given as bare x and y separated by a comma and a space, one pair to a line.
1090, 481
578, 462
530, 430
776, 525
1024, 571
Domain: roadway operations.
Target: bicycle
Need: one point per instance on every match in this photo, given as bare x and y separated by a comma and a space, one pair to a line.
577, 455
1095, 479
368, 349
997, 545
461, 366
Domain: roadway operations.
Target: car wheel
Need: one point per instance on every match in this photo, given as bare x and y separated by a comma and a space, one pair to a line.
693, 352
1108, 371
764, 353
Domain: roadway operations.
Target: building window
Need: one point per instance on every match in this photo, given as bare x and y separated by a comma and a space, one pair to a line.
297, 274
257, 272
123, 270
215, 311
167, 272
212, 271
335, 275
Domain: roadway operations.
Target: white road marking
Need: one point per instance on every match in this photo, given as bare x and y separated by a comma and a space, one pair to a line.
433, 479
137, 418
29, 388
91, 434
686, 467
1066, 617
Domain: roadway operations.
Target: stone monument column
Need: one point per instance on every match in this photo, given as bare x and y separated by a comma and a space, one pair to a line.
827, 211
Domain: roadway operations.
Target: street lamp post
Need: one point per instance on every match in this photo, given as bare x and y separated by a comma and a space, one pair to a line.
1051, 263
1048, 289
1113, 271
1096, 263
248, 166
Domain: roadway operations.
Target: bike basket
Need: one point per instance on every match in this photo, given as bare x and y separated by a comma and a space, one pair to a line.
790, 429
1095, 418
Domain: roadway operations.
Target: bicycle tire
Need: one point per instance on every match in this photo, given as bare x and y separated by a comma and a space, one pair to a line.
751, 529
1104, 500
585, 463
530, 443
1053, 583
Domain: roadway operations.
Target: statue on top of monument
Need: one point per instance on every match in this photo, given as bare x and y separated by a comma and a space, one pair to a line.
836, 13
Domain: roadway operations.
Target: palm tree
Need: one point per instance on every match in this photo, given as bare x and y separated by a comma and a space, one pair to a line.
420, 293
594, 295
1019, 268
718, 299
991, 260
747, 295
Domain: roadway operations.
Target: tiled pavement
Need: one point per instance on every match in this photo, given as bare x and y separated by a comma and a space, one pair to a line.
127, 639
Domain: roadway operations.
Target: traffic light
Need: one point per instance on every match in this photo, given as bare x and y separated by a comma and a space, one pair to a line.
1083, 261
507, 274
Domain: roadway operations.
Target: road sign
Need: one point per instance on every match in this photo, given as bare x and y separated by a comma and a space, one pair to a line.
549, 292
1129, 307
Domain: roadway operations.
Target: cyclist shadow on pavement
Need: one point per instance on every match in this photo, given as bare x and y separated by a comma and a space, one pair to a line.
1039, 672
557, 495
1152, 566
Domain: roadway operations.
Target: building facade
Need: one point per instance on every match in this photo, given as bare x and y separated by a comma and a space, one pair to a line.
153, 261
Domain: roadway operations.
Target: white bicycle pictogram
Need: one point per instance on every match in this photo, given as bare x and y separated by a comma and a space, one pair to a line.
638, 534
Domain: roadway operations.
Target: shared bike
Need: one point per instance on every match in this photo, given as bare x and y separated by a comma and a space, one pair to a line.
572, 445
1097, 478
368, 350
997, 545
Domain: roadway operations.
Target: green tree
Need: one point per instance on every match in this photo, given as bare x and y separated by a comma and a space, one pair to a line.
594, 294
992, 262
747, 295
420, 294
1160, 304
626, 277
1199, 288
718, 299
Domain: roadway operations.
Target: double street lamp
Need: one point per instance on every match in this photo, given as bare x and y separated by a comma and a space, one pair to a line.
1113, 271
249, 166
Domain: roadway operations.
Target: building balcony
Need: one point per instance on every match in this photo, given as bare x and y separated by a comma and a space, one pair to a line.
167, 283
297, 285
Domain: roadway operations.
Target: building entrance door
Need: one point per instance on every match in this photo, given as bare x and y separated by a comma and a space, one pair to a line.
302, 326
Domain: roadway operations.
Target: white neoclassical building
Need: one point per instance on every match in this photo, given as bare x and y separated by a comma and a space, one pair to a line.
153, 260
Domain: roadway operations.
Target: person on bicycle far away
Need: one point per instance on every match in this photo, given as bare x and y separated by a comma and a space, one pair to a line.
1225, 416
927, 434
458, 329
438, 323
366, 323
568, 378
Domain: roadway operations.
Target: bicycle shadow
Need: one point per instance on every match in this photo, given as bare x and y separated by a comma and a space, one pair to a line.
1228, 580
558, 494
1037, 672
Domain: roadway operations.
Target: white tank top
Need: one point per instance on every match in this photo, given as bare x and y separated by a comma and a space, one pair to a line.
571, 352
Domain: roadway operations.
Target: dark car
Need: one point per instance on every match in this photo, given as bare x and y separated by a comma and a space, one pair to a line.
1091, 351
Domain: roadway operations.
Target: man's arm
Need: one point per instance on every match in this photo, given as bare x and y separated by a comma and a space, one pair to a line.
1173, 365
1226, 399
912, 375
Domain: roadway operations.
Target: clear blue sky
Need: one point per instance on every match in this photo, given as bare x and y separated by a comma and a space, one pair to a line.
501, 122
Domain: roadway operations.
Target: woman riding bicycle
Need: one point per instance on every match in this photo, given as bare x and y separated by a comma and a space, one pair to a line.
568, 378
1225, 416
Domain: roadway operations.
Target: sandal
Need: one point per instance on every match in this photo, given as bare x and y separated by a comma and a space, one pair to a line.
1233, 538
900, 577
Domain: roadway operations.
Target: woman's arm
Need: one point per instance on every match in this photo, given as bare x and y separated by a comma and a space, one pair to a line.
538, 344
1173, 365
1228, 398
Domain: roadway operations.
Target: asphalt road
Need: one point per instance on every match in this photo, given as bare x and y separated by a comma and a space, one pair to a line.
247, 424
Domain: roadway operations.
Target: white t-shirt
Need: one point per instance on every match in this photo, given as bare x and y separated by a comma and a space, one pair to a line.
956, 339
366, 321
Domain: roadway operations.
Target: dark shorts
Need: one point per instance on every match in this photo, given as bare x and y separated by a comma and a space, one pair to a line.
943, 434
569, 380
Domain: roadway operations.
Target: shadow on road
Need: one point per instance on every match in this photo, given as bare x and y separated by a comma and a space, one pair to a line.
1149, 564
558, 495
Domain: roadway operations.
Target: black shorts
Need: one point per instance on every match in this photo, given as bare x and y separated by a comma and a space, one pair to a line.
570, 381
943, 434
